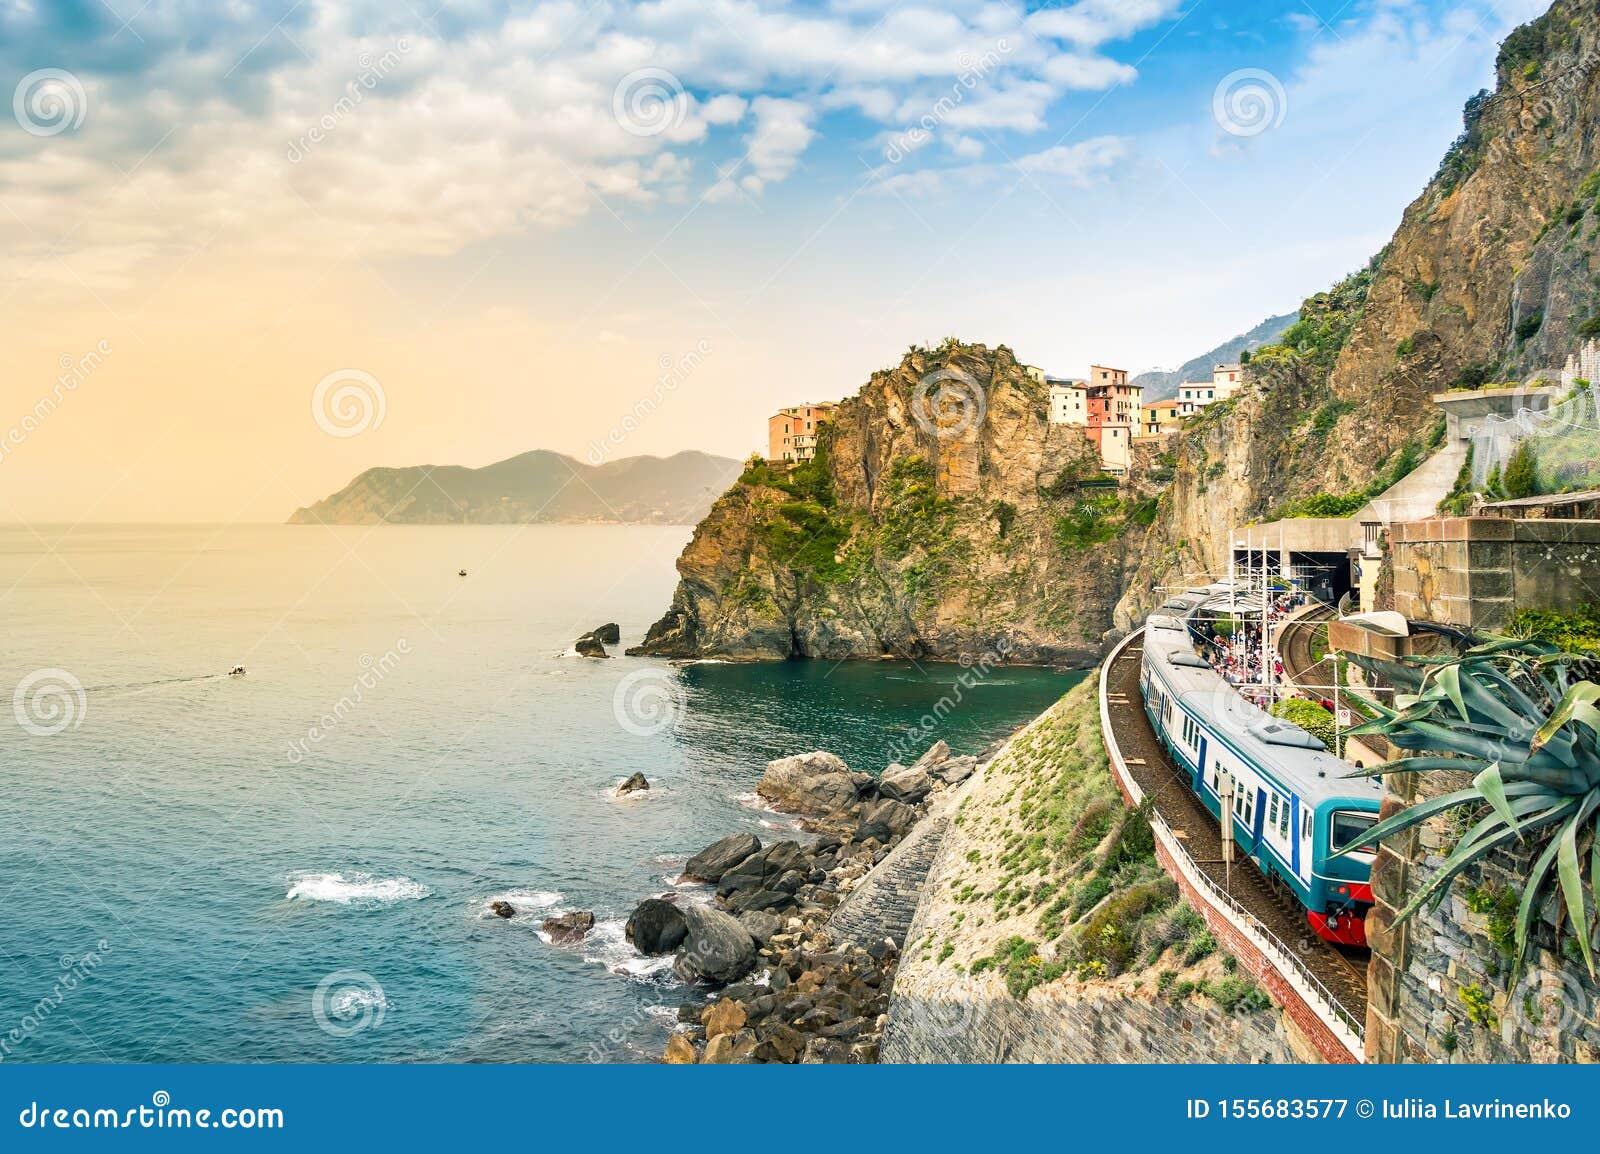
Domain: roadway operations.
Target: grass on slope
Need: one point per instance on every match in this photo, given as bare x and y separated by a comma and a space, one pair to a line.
1062, 876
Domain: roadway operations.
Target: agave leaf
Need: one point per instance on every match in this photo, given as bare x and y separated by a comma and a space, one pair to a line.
1534, 805
1449, 681
1577, 704
1493, 787
1530, 900
1417, 765
1466, 855
1502, 644
1423, 810
1572, 878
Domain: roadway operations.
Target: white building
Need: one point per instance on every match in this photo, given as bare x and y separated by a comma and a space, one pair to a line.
1069, 402
1196, 395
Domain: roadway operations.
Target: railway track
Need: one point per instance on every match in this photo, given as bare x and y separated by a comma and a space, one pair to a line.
1294, 646
1343, 970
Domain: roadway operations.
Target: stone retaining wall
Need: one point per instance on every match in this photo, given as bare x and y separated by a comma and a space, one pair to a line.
1437, 988
885, 902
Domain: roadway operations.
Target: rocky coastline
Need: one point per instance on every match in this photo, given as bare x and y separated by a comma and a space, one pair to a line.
777, 977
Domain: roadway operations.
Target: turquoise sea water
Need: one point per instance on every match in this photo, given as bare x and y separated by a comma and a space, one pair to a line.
297, 864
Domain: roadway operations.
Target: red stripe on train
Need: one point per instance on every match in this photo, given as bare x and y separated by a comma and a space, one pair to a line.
1346, 930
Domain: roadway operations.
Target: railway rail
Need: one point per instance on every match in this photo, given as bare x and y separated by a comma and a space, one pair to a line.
1294, 646
1331, 980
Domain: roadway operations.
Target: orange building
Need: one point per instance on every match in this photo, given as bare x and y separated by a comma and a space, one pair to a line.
792, 432
1113, 415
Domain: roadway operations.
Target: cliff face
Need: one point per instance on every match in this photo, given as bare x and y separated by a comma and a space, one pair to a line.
1491, 276
944, 517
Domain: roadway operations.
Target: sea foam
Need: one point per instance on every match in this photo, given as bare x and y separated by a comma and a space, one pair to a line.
358, 887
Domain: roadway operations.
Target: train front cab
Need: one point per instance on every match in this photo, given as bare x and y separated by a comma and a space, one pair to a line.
1342, 886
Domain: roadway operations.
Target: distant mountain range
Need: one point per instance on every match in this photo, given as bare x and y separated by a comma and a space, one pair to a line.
535, 487
1160, 386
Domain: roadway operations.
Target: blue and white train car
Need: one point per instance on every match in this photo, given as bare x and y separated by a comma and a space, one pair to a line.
1293, 808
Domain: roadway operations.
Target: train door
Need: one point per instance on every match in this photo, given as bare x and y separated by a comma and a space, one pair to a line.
1260, 814
1200, 767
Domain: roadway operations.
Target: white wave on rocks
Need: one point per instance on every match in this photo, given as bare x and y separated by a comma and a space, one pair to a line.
527, 903
357, 887
607, 945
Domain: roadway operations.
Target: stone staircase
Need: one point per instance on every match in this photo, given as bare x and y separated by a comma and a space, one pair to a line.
1416, 496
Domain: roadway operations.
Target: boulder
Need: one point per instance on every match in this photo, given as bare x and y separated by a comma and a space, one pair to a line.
608, 634
761, 870
723, 1017
730, 1048
820, 1051
908, 784
502, 909
716, 949
760, 925
782, 1044
720, 856
936, 754
589, 646
679, 1051
813, 784
956, 770
569, 927
885, 820
633, 785
656, 927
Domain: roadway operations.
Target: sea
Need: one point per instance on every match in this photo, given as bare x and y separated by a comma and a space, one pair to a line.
297, 862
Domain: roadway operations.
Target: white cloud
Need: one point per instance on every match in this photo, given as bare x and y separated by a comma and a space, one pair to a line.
397, 134
1080, 163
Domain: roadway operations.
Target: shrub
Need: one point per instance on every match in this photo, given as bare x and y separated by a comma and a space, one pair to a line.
1521, 476
1309, 716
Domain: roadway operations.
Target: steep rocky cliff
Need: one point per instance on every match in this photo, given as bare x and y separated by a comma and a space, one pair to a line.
944, 517
1491, 276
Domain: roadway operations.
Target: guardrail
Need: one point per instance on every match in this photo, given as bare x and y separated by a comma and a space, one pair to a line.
1347, 1027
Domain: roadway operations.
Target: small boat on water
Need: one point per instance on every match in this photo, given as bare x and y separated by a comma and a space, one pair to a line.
462, 573
236, 671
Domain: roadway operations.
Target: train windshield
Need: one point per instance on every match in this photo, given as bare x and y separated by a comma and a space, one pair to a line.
1347, 827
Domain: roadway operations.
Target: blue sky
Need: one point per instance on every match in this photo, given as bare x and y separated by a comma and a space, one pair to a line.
512, 218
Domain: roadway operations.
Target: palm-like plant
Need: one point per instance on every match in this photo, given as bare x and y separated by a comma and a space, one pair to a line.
1514, 713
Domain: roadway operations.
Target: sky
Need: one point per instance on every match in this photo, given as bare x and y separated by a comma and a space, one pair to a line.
250, 249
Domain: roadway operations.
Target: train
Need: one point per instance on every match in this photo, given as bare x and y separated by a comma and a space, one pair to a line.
1293, 807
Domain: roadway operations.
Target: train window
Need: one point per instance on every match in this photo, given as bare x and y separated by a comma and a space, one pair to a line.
1347, 827
1305, 827
1283, 821
1272, 811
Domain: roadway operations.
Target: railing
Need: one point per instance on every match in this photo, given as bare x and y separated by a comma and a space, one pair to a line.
1294, 971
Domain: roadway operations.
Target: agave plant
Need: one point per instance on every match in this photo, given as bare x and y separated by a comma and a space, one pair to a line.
1513, 713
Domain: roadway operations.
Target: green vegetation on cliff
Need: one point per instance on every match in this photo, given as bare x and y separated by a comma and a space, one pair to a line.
1062, 882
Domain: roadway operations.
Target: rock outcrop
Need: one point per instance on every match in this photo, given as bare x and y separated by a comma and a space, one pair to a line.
944, 517
1490, 277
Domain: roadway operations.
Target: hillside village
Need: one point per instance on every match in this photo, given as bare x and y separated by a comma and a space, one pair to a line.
1111, 411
